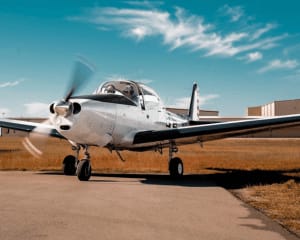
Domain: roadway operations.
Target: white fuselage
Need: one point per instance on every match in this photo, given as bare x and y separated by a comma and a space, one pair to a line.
112, 115
103, 123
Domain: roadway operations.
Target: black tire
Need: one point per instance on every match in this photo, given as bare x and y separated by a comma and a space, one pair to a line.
84, 170
176, 167
69, 165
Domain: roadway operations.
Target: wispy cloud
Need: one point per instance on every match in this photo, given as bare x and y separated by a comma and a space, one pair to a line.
147, 4
182, 29
205, 99
36, 109
184, 102
259, 32
279, 64
4, 112
116, 77
11, 84
235, 13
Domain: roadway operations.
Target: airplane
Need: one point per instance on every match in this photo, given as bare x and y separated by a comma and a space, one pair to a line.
127, 115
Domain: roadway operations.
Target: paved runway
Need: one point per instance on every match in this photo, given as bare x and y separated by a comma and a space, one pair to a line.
36, 205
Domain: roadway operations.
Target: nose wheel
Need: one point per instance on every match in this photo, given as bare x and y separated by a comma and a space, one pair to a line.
84, 170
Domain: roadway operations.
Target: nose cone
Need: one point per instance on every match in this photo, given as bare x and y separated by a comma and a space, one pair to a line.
63, 108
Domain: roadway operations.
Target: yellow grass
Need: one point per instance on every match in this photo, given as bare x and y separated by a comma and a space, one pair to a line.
266, 171
279, 201
246, 154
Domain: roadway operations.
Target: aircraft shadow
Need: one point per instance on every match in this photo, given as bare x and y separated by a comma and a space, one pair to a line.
236, 179
227, 178
164, 179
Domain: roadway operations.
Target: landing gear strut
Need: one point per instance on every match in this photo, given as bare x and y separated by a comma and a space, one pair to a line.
175, 164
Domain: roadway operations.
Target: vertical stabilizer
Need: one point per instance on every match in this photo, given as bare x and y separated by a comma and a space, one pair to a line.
194, 105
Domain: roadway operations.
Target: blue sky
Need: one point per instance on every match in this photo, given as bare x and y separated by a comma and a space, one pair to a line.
241, 53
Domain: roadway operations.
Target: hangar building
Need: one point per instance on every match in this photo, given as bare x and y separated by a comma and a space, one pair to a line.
276, 108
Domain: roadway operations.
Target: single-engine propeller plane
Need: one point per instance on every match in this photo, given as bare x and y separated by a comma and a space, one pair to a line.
126, 115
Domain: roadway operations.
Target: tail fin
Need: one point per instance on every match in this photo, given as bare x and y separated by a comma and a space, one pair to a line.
194, 105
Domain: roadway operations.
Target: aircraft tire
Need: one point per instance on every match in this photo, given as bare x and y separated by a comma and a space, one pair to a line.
69, 165
84, 170
176, 167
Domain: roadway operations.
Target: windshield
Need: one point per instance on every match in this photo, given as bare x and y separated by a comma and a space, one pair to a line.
136, 92
125, 88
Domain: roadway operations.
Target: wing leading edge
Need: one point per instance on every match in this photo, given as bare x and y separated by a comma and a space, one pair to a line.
216, 131
29, 126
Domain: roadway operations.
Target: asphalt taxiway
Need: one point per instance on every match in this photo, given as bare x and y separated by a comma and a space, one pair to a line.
41, 205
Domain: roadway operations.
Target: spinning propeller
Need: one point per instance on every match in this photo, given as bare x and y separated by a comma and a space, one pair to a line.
81, 73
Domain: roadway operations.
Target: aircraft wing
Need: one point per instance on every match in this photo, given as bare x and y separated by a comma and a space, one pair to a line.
214, 131
29, 126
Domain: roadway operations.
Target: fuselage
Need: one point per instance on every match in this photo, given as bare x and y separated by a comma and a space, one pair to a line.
111, 117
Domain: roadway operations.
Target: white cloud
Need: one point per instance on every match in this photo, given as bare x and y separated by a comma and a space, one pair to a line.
139, 32
278, 64
144, 81
116, 77
148, 4
184, 102
4, 112
11, 84
36, 109
254, 56
181, 30
204, 99
235, 13
259, 32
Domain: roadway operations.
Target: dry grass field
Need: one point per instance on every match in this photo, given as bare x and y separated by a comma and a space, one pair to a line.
263, 172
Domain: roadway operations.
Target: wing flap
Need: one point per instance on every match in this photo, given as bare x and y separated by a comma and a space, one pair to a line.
215, 131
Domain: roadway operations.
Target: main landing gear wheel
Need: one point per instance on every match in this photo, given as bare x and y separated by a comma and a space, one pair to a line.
176, 167
68, 165
84, 170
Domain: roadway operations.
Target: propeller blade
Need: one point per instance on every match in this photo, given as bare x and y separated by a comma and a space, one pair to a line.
38, 135
31, 148
82, 71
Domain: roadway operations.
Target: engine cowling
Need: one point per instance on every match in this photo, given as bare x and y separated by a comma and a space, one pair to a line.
64, 108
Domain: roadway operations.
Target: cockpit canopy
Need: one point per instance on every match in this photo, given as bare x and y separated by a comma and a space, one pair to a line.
138, 93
